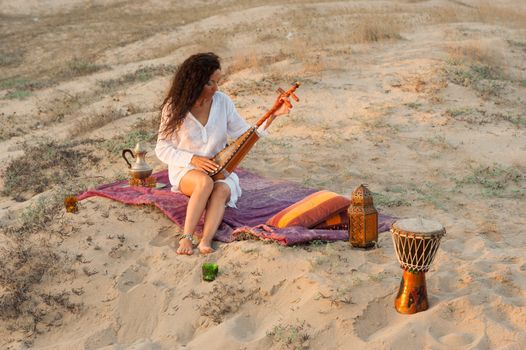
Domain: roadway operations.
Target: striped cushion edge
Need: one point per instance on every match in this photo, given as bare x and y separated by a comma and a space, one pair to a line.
311, 210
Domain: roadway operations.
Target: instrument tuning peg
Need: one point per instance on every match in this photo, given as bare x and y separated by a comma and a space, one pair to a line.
293, 95
280, 91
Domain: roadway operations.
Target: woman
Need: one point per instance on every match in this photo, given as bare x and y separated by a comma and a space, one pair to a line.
196, 120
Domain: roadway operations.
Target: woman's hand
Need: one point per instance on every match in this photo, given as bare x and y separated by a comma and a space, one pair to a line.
205, 164
284, 109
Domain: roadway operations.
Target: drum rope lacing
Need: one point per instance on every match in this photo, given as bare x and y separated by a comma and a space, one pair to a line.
413, 243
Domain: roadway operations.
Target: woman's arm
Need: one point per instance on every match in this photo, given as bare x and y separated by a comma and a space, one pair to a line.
168, 153
236, 125
166, 147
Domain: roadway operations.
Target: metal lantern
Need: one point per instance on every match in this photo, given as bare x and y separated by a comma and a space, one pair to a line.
363, 219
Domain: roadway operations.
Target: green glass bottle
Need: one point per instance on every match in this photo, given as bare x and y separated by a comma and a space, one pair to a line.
210, 271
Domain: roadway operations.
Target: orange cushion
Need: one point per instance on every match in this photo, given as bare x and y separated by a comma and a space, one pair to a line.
338, 221
311, 210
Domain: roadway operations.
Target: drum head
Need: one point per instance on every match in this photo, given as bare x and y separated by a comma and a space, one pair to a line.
419, 226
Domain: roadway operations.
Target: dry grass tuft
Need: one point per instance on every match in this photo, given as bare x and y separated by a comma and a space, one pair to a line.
254, 61
477, 52
227, 299
374, 28
485, 13
345, 28
510, 16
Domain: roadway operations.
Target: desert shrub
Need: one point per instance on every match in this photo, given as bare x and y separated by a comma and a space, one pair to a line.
477, 66
391, 200
290, 336
21, 88
10, 58
26, 307
99, 120
96, 121
43, 165
140, 75
484, 79
495, 180
24, 264
129, 140
465, 73
79, 67
17, 95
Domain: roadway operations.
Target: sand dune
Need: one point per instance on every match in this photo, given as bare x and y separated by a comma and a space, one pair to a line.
422, 100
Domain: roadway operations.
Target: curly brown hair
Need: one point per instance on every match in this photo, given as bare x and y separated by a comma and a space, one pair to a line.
188, 83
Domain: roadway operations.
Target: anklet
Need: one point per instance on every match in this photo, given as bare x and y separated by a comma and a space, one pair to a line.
189, 237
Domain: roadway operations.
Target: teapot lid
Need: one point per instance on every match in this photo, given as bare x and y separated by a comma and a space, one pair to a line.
139, 148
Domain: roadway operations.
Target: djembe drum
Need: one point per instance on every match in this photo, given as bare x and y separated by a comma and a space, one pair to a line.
416, 242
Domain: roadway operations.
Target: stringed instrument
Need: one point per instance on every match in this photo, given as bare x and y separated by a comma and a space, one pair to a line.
230, 156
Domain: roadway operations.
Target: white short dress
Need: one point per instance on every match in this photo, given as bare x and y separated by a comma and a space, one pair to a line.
193, 138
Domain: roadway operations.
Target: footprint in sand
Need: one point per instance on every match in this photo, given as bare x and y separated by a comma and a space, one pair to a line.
243, 328
141, 344
446, 282
378, 314
491, 233
100, 338
139, 311
165, 237
456, 340
132, 276
456, 326
378, 256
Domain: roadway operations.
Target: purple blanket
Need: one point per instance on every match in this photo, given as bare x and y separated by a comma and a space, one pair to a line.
262, 198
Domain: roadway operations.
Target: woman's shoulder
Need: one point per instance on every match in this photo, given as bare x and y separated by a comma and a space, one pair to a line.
222, 97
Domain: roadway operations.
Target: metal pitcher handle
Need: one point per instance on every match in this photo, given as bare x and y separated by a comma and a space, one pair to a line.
124, 156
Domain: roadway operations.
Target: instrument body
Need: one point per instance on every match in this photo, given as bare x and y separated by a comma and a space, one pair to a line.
230, 156
416, 242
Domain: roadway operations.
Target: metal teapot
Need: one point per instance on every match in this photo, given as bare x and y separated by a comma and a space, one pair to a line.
139, 169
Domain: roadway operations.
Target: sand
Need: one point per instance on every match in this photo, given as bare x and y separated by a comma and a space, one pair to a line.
424, 101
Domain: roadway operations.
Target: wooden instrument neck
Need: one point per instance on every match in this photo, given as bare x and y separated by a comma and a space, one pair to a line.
282, 98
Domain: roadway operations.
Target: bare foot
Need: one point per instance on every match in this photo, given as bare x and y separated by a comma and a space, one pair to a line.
185, 247
205, 248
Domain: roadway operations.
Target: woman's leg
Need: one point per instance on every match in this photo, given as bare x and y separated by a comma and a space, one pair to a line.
198, 186
215, 210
